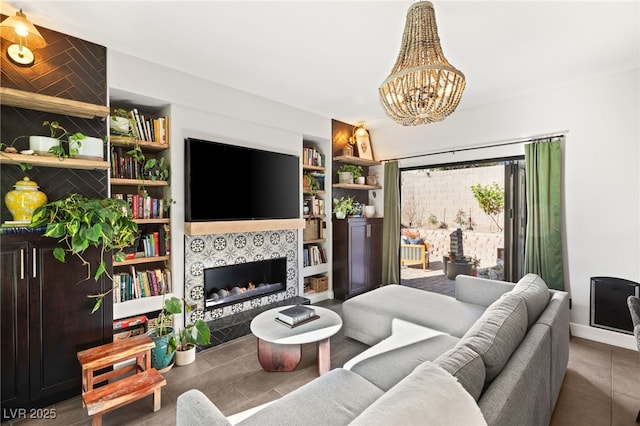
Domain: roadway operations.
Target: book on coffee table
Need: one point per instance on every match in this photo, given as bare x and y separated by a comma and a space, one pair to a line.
296, 314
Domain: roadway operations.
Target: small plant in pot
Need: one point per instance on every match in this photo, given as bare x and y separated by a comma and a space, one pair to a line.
189, 338
343, 206
347, 173
163, 334
121, 123
53, 144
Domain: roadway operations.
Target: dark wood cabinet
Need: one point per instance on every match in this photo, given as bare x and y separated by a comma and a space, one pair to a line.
357, 256
46, 320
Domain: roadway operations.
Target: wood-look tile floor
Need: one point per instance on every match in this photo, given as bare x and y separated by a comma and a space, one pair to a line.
601, 387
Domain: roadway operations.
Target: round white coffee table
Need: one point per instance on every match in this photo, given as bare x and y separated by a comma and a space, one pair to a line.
279, 346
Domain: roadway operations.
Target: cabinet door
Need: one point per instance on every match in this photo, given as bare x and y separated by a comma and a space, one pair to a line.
61, 323
358, 257
13, 304
374, 245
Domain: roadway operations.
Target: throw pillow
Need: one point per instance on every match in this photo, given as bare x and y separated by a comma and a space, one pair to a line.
535, 293
498, 333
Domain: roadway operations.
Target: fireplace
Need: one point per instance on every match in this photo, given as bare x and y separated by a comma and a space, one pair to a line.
225, 285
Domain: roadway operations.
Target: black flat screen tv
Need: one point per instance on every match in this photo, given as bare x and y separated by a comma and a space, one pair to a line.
226, 182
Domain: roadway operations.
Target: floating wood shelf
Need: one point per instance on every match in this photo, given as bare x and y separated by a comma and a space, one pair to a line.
355, 186
140, 260
135, 182
50, 161
315, 168
230, 227
126, 142
55, 105
356, 160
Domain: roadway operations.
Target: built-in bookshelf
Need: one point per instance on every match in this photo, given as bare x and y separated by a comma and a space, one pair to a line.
140, 175
316, 213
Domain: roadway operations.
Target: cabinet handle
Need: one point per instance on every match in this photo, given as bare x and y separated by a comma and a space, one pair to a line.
368, 230
22, 264
34, 262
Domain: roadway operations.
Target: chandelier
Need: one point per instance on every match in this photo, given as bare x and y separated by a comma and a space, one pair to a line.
423, 86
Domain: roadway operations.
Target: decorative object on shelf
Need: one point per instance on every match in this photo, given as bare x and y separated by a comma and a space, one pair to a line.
347, 151
311, 184
369, 211
360, 138
372, 180
18, 29
423, 86
347, 173
343, 206
24, 199
80, 222
360, 180
53, 142
89, 148
121, 123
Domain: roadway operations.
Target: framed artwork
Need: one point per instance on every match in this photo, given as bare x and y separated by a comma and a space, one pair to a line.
364, 146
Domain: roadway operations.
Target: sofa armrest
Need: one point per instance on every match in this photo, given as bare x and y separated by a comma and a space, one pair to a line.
480, 291
195, 409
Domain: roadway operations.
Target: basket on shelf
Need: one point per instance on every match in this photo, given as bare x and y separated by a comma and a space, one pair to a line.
311, 229
319, 284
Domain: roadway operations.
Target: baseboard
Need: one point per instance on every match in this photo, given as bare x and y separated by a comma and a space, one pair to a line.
601, 335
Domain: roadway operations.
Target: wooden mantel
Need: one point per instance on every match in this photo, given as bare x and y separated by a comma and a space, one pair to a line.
234, 226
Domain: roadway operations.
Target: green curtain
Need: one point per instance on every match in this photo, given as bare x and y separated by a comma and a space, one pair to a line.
543, 245
391, 225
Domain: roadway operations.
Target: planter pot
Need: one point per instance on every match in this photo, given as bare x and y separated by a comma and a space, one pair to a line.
41, 144
90, 148
345, 177
159, 357
340, 215
119, 125
186, 357
360, 180
369, 211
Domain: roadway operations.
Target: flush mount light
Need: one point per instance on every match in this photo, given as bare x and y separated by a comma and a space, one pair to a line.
18, 30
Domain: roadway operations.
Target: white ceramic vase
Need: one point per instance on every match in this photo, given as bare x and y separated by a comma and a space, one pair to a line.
186, 357
340, 215
369, 211
119, 125
345, 177
360, 180
41, 144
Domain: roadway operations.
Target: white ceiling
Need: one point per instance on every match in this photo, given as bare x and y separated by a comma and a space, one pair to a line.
329, 57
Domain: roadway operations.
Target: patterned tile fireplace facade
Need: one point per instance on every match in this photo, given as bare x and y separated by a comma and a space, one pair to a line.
206, 251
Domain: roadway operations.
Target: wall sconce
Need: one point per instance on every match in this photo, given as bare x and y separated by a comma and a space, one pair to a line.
17, 29
358, 132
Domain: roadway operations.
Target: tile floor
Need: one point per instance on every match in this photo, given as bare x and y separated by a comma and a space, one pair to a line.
601, 387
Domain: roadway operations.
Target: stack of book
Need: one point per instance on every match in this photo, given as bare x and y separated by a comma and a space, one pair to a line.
296, 315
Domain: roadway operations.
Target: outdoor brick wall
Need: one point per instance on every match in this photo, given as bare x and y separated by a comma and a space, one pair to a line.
443, 193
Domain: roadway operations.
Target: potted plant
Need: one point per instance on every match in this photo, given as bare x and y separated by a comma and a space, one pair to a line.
311, 184
163, 334
81, 222
189, 338
53, 144
120, 123
343, 206
347, 173
475, 264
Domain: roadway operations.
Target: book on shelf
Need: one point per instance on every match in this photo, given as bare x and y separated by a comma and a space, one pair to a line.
129, 322
296, 314
138, 284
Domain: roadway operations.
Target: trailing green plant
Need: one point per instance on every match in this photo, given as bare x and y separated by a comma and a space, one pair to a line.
81, 222
355, 170
152, 168
491, 200
10, 148
345, 205
121, 113
56, 131
312, 182
197, 333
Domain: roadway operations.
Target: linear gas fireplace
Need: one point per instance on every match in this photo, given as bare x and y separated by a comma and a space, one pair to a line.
225, 285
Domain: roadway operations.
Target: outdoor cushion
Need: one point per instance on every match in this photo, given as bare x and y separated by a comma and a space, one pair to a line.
535, 293
498, 333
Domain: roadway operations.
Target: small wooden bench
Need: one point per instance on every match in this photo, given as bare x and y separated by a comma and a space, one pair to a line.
124, 387
123, 391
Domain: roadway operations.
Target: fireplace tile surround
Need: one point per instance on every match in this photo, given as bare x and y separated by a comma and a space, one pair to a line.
206, 251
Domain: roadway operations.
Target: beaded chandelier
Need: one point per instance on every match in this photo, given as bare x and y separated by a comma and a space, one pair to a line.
423, 86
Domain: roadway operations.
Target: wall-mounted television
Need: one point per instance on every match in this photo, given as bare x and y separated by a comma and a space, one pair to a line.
227, 182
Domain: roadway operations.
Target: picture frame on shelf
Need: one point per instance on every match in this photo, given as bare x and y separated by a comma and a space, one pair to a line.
364, 146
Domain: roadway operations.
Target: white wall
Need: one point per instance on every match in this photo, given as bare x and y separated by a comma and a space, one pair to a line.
601, 119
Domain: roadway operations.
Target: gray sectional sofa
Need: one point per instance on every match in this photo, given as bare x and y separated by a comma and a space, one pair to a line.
495, 354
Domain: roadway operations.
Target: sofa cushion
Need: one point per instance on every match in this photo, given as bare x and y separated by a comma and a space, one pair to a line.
327, 400
388, 368
368, 316
535, 293
427, 396
498, 333
467, 366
